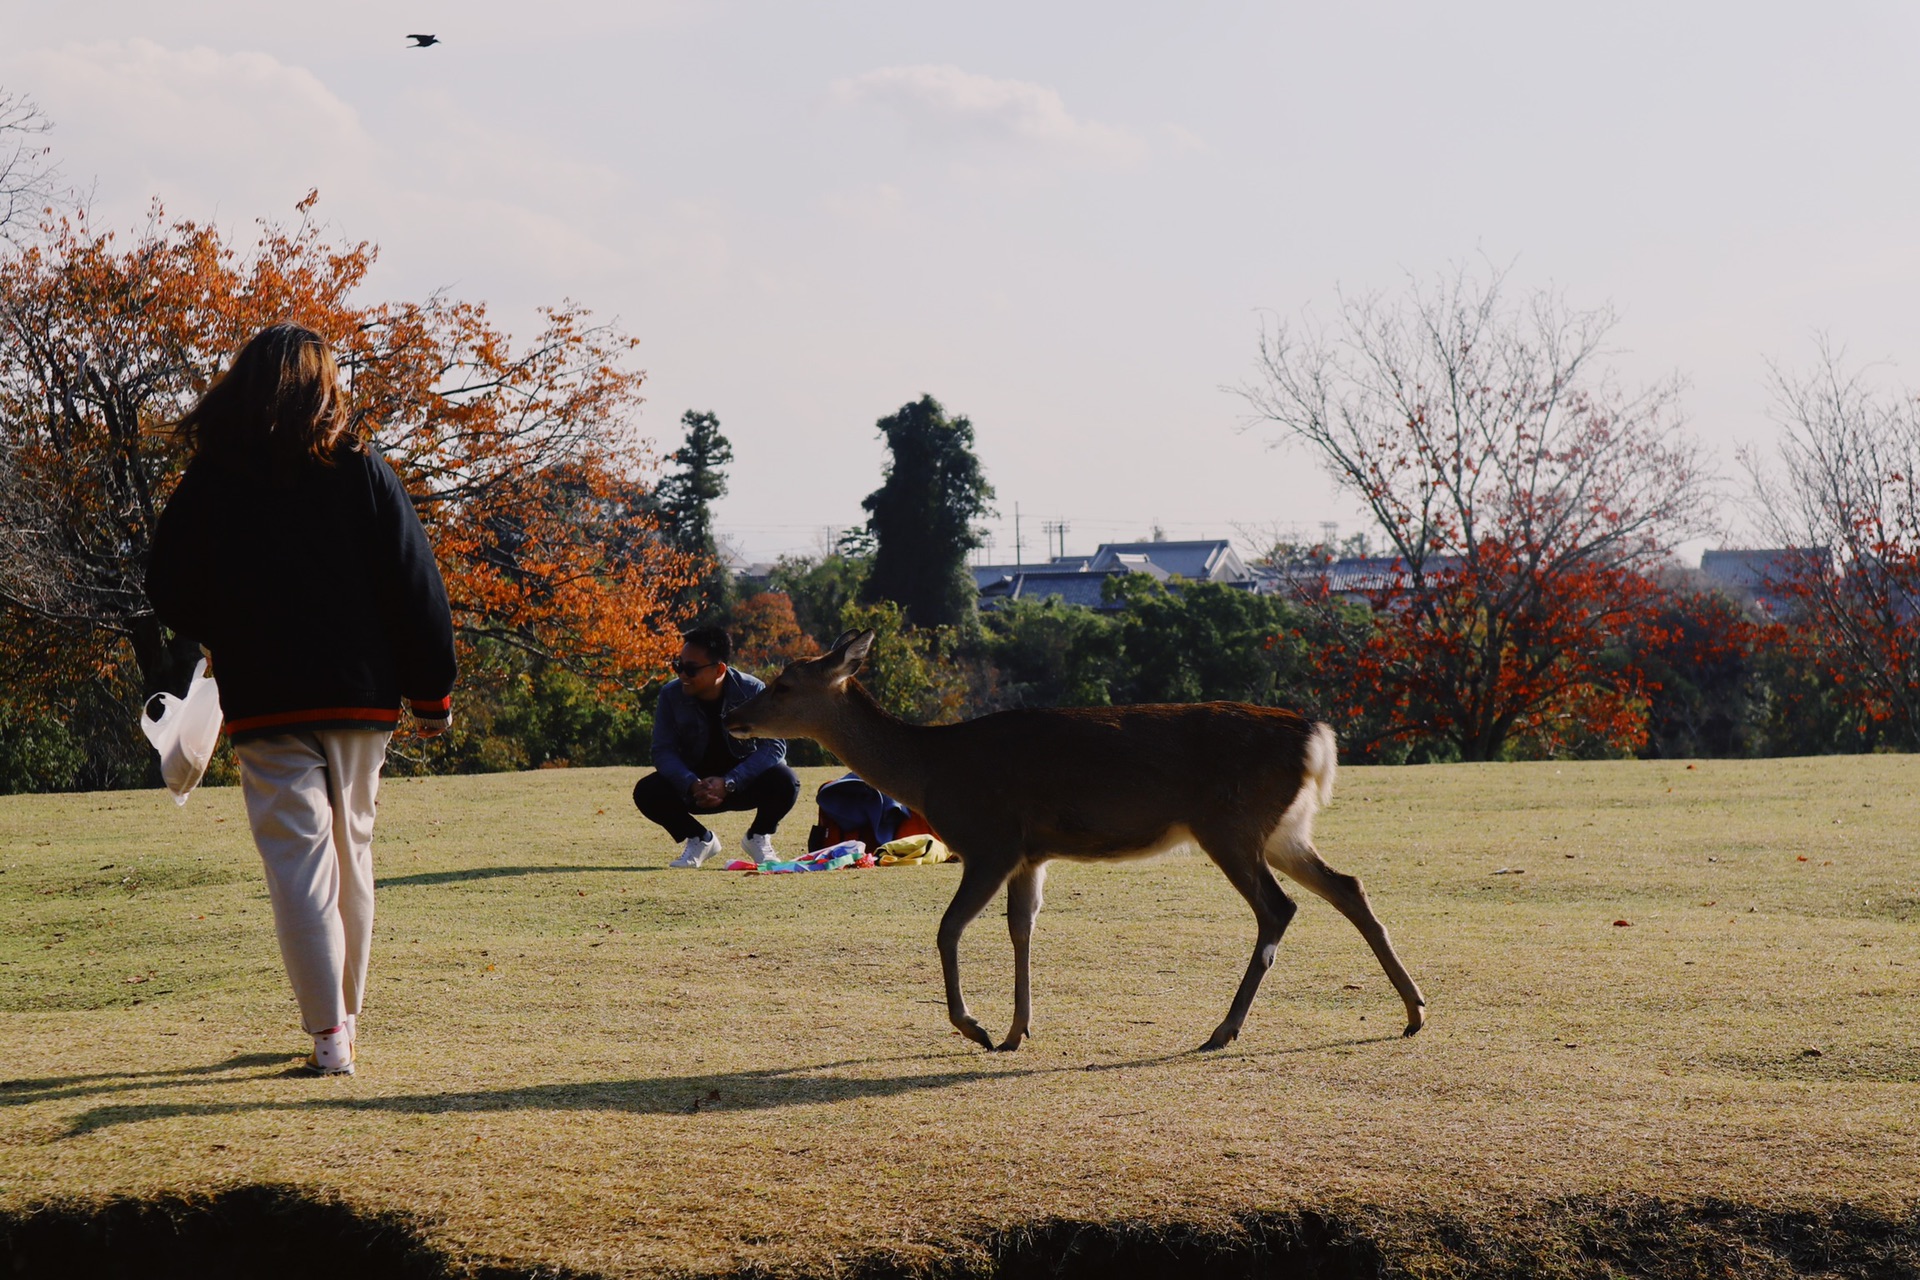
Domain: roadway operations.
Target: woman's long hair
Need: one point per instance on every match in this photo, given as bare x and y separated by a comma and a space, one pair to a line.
278, 408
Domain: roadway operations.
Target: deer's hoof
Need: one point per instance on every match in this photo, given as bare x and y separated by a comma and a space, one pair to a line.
1009, 1045
1218, 1040
974, 1031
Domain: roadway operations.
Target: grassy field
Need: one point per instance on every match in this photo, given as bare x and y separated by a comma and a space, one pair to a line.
1649, 983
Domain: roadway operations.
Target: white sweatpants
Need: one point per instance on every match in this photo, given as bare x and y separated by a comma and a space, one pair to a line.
310, 801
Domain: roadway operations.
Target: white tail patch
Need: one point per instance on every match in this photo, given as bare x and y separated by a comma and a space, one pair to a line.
1291, 844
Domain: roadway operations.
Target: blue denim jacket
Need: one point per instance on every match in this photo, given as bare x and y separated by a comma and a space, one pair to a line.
680, 735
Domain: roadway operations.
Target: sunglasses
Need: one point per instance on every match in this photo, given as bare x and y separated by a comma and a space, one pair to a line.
688, 670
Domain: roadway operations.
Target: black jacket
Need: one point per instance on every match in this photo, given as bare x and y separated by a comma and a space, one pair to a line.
318, 596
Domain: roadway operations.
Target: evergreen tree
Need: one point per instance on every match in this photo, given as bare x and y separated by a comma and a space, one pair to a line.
686, 517
822, 586
922, 516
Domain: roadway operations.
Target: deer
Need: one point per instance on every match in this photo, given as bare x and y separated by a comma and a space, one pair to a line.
1010, 791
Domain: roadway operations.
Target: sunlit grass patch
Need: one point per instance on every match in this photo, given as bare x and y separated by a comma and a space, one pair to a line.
575, 1057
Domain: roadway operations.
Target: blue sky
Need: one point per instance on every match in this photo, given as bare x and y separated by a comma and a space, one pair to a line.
1063, 220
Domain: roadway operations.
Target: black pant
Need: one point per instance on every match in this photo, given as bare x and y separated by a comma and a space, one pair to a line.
772, 795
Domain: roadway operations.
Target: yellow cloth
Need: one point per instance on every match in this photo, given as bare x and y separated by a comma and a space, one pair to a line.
911, 851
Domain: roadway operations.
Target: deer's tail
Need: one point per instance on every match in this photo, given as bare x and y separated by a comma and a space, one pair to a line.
1292, 840
1322, 762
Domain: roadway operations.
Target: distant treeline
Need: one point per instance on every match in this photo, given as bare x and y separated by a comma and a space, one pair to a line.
1528, 501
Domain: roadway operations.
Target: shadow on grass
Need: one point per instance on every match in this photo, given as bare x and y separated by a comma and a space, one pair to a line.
760, 1089
15, 1092
490, 873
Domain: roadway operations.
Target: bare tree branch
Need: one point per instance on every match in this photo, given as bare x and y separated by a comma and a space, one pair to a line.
1500, 460
27, 171
1847, 491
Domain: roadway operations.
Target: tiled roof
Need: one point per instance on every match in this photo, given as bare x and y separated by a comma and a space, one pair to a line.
1068, 585
1078, 579
1209, 560
986, 574
1360, 575
1751, 568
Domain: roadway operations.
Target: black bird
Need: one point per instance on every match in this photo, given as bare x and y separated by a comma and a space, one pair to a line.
421, 42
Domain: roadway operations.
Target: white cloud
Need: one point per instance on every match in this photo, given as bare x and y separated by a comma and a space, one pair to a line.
200, 127
234, 135
949, 102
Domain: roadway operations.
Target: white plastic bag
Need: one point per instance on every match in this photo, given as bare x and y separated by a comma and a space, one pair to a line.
185, 732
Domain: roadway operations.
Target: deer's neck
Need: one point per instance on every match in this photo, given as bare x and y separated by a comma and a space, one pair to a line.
883, 749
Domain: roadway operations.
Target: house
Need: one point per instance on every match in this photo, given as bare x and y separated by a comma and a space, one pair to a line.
1750, 576
1070, 584
1079, 579
1207, 560
1359, 579
1754, 575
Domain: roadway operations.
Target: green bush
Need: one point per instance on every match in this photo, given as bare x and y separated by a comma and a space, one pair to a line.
1046, 653
38, 752
538, 716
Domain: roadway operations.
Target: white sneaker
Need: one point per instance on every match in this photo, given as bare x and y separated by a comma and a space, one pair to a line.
697, 851
759, 848
332, 1053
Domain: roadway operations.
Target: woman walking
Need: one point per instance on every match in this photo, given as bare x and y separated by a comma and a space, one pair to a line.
292, 554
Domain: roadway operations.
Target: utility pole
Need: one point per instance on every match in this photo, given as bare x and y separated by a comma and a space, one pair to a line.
1060, 527
1017, 561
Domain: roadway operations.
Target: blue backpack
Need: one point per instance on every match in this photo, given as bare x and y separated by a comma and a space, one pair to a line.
854, 809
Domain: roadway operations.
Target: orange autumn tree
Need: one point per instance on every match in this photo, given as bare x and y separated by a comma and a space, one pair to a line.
1524, 497
531, 480
767, 635
525, 462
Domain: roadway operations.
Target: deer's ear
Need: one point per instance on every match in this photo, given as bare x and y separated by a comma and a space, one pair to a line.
848, 652
859, 647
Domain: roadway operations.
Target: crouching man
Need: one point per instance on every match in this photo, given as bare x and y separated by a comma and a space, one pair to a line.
699, 768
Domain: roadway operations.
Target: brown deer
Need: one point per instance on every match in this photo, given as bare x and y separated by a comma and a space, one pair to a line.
1011, 790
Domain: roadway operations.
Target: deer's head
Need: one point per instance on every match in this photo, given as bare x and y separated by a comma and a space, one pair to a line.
799, 699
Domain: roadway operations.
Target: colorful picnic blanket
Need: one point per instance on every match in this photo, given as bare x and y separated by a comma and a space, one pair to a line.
848, 853
906, 851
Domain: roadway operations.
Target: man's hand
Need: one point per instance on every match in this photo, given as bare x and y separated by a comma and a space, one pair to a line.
432, 726
708, 793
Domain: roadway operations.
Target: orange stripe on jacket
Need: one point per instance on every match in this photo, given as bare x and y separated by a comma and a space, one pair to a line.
382, 715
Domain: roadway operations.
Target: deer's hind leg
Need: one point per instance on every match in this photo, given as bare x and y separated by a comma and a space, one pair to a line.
980, 878
1238, 855
1023, 908
1293, 853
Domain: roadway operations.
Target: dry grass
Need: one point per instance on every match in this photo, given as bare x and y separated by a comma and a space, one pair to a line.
575, 1058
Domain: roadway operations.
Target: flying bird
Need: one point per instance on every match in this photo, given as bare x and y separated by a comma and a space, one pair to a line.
422, 41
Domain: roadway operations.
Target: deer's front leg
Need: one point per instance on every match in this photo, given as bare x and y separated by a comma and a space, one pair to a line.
1023, 908
978, 883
